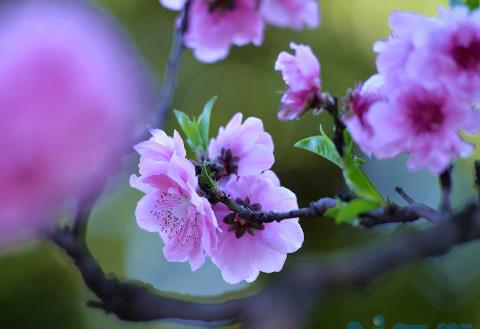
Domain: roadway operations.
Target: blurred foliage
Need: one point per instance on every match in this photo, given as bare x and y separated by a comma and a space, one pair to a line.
39, 288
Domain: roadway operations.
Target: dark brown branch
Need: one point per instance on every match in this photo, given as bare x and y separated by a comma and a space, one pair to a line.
331, 106
289, 296
390, 214
316, 209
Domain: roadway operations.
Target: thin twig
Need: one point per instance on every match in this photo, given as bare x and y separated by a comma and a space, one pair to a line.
421, 209
404, 195
331, 106
170, 79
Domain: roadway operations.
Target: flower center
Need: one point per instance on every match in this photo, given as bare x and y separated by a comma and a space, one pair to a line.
467, 56
426, 115
219, 5
178, 220
225, 164
241, 226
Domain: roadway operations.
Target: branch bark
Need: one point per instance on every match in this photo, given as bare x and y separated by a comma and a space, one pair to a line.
170, 79
290, 295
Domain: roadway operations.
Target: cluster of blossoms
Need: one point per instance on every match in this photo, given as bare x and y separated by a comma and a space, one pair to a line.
215, 25
193, 228
70, 93
424, 95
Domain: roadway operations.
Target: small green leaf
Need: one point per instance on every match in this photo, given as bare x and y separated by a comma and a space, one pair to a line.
204, 121
358, 181
191, 130
346, 212
321, 145
206, 178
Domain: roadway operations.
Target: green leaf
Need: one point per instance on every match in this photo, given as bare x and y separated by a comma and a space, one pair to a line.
191, 130
321, 145
346, 212
473, 4
204, 121
206, 178
358, 181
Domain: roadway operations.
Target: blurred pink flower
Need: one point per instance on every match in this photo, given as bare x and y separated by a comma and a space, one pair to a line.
70, 93
216, 25
242, 148
424, 123
394, 60
173, 4
452, 52
358, 103
171, 205
301, 73
431, 72
295, 14
445, 48
244, 249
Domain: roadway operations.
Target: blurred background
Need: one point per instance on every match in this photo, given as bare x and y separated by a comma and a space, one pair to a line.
39, 287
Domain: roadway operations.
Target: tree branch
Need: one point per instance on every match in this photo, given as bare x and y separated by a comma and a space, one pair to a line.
477, 177
170, 79
421, 209
446, 189
316, 209
134, 301
388, 215
290, 295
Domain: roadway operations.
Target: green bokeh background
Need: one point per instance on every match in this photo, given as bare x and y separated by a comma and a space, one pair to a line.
39, 287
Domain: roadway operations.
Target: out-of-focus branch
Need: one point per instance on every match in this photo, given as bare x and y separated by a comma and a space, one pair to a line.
290, 295
392, 213
135, 301
445, 180
170, 79
477, 177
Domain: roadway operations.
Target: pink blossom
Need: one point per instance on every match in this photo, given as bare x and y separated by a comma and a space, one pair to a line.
301, 73
171, 205
358, 104
160, 147
424, 123
395, 60
70, 92
445, 48
452, 52
242, 148
214, 26
291, 13
244, 249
